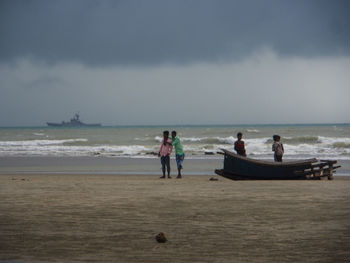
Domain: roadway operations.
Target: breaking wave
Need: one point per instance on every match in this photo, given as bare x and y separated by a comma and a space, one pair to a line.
40, 142
253, 130
298, 140
341, 145
195, 146
207, 140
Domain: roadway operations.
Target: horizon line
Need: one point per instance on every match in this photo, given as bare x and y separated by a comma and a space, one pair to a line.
187, 125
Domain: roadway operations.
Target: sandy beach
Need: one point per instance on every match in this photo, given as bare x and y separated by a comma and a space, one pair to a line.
114, 218
97, 97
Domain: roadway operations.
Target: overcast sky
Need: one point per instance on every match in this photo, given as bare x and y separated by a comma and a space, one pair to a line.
174, 62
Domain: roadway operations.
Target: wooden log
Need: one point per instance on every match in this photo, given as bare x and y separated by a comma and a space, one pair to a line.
313, 174
329, 161
330, 175
319, 165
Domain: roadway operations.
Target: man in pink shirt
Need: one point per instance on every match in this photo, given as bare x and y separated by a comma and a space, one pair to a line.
164, 153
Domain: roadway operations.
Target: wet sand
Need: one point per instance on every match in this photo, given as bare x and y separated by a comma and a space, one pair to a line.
115, 165
114, 218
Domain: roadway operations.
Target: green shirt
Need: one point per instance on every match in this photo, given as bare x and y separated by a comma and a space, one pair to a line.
178, 145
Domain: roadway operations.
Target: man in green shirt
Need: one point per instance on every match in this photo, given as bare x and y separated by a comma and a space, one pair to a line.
180, 155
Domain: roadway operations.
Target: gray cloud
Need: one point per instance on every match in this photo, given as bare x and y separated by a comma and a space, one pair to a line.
218, 61
263, 88
159, 31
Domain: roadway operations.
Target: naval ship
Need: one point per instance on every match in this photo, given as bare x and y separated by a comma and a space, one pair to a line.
74, 122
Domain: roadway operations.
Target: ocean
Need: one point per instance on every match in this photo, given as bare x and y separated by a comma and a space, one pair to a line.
200, 142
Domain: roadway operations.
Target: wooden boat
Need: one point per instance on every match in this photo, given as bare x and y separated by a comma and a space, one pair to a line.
237, 167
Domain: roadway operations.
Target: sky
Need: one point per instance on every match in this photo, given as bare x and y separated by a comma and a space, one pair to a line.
164, 62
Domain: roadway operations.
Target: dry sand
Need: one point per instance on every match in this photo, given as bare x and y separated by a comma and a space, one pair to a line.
114, 218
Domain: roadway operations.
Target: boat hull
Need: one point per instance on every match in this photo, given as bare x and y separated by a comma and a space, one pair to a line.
237, 167
232, 176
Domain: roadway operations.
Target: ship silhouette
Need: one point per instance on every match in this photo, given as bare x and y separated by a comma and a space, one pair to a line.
74, 122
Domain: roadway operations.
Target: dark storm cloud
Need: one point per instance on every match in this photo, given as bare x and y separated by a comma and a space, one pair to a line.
151, 32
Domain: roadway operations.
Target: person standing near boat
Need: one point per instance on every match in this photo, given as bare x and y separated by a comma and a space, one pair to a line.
179, 152
164, 153
239, 145
277, 147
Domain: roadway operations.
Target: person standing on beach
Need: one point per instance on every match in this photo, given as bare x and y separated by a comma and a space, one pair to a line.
277, 147
164, 153
179, 152
239, 145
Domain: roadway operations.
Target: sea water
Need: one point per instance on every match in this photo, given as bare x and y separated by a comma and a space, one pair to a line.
331, 141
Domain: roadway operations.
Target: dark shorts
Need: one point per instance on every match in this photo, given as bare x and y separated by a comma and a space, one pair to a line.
179, 159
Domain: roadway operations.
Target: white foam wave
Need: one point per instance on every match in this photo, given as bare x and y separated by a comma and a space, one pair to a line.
333, 140
295, 147
224, 140
39, 134
63, 150
142, 139
326, 147
158, 138
40, 142
253, 130
127, 149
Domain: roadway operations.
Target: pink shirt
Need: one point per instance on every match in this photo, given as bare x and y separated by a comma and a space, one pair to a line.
165, 149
